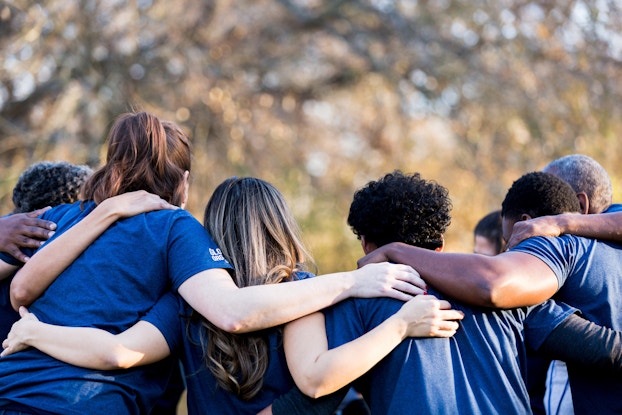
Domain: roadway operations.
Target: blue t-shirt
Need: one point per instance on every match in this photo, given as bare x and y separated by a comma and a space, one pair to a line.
589, 273
480, 370
8, 316
111, 286
206, 396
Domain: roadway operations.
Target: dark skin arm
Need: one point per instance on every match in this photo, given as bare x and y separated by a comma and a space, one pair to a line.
24, 230
511, 279
607, 226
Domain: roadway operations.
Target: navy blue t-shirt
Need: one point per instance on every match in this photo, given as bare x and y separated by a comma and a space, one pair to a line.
206, 396
589, 273
111, 286
480, 370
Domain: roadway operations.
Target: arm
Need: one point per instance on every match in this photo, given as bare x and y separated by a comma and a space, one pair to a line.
214, 295
510, 279
605, 226
88, 347
24, 230
319, 371
577, 340
42, 269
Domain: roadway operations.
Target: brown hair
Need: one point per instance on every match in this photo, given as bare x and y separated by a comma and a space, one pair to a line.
257, 233
144, 153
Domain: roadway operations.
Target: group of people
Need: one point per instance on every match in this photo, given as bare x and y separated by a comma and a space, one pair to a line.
129, 285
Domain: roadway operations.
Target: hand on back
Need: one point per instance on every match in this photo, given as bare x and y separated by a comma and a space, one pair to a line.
428, 316
134, 203
384, 279
24, 230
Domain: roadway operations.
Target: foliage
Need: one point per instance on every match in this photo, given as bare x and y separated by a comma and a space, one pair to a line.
320, 96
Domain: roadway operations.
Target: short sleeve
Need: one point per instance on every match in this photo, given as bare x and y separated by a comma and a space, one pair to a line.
165, 317
191, 250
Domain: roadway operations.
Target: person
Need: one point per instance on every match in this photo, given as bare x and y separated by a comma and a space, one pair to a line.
587, 177
530, 273
488, 235
42, 185
594, 191
226, 373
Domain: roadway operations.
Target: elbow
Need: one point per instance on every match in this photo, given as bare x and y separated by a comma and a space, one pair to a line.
20, 296
311, 389
493, 295
232, 324
120, 358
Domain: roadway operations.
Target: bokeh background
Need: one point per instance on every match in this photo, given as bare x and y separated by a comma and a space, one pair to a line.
321, 96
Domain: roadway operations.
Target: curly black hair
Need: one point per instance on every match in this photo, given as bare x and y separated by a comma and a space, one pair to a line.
539, 194
48, 183
401, 208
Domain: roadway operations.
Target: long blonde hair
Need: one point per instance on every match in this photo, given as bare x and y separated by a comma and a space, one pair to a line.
257, 233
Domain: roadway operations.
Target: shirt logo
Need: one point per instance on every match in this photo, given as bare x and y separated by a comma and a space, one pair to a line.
216, 254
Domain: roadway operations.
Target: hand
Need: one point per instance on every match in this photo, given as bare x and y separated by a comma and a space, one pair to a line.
397, 281
16, 339
541, 226
134, 203
428, 316
375, 256
24, 230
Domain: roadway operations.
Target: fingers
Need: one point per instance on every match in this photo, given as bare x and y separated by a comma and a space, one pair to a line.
23, 311
38, 212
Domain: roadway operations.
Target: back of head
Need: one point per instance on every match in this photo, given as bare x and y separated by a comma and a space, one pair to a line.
144, 153
584, 174
253, 226
257, 233
490, 228
539, 194
401, 208
49, 184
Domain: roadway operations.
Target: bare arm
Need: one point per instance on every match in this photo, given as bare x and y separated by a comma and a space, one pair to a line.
42, 269
511, 279
215, 296
88, 347
319, 371
607, 226
24, 230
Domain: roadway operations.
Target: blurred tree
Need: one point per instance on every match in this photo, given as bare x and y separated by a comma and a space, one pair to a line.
321, 96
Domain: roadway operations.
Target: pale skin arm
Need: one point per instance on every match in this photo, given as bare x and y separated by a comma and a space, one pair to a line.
88, 347
238, 310
42, 269
606, 226
319, 371
510, 279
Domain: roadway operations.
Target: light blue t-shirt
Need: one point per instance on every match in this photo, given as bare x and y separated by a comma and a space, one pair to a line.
111, 286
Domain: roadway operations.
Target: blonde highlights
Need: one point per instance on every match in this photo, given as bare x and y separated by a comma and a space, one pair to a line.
257, 233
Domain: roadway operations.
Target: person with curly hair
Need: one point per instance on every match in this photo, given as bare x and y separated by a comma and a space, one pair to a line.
579, 271
477, 371
44, 184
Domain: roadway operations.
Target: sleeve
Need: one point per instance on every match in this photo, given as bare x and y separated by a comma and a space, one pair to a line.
164, 315
191, 250
295, 402
558, 253
543, 318
577, 340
